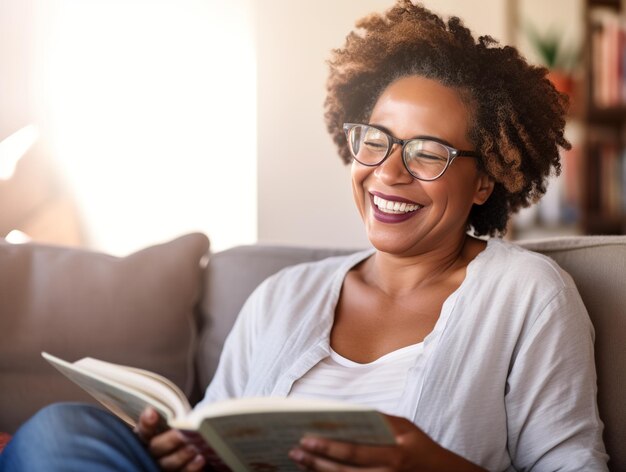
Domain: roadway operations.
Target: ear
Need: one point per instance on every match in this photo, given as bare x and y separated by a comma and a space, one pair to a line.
484, 187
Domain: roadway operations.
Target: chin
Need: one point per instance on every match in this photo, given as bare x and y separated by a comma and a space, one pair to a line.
391, 245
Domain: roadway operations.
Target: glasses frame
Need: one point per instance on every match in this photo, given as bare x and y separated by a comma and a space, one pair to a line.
453, 153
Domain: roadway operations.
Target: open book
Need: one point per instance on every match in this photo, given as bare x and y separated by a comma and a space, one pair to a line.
245, 434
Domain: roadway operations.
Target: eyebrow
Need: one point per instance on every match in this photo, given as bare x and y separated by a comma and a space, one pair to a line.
422, 136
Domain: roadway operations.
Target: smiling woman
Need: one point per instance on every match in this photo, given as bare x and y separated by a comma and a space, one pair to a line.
479, 353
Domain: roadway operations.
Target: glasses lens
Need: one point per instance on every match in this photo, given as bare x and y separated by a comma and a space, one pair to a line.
368, 145
426, 159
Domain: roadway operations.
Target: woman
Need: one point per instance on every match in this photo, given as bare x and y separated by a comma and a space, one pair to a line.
480, 353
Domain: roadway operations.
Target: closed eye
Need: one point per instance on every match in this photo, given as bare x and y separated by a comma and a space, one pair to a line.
428, 157
375, 146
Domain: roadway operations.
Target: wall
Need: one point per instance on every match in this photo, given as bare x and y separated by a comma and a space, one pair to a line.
304, 189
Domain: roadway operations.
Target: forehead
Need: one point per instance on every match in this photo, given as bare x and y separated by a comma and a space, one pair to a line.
414, 106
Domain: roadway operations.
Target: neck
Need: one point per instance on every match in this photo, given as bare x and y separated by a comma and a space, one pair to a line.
398, 275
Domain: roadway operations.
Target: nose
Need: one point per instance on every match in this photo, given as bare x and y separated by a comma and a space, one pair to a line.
392, 170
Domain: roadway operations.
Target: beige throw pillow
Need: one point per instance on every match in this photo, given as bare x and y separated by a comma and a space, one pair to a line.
137, 310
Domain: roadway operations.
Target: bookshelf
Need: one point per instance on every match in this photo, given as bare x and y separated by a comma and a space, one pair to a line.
603, 116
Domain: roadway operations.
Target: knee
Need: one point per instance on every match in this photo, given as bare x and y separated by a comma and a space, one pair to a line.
65, 417
56, 414
61, 423
61, 433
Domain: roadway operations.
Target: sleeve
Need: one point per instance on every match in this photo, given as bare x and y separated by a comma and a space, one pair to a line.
550, 397
233, 369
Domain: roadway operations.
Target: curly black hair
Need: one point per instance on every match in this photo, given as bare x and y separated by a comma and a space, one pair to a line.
518, 117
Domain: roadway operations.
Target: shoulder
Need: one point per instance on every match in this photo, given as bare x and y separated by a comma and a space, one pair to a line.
524, 284
301, 287
297, 299
506, 262
315, 275
532, 289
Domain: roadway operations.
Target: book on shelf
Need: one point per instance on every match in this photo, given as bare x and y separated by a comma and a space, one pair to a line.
623, 180
606, 175
244, 434
608, 58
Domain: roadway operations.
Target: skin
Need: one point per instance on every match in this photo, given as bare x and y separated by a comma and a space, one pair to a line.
171, 449
393, 299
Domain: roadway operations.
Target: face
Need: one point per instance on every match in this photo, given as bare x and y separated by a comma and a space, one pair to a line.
410, 107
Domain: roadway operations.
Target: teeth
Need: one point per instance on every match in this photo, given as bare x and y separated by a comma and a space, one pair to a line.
394, 207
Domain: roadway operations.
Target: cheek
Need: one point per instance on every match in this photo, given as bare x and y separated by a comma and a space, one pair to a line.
461, 196
358, 175
455, 191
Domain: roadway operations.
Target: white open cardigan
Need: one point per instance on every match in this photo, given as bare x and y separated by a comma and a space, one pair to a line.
510, 383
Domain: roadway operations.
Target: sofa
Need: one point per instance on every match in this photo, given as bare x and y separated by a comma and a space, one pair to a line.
169, 307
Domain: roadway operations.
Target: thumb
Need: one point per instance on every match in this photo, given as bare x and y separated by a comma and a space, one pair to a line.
146, 427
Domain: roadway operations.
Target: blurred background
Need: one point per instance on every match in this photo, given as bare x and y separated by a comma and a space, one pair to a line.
127, 122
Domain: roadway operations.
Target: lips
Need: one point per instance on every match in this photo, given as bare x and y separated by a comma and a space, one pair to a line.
392, 209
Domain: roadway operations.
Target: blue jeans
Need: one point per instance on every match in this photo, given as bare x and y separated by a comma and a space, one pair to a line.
75, 437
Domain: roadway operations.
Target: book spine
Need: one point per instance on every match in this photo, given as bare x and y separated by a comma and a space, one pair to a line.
608, 59
597, 58
623, 183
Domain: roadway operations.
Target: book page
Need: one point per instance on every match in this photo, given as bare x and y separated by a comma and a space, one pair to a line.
151, 384
262, 441
124, 401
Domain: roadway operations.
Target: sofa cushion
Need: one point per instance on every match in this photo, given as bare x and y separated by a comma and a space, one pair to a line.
137, 310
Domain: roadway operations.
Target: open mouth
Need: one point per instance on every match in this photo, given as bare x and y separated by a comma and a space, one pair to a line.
392, 207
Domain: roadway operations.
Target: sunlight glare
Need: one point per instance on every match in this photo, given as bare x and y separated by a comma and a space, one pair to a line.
13, 148
153, 112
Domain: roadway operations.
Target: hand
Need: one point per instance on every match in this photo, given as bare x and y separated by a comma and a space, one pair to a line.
171, 448
413, 451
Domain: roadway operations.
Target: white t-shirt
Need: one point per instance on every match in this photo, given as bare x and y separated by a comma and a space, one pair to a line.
378, 384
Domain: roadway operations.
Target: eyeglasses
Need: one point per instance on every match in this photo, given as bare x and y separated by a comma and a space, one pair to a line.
425, 158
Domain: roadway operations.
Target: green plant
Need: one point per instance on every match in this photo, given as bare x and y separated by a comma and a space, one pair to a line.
549, 47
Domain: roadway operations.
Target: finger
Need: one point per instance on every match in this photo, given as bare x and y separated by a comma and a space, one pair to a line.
311, 462
195, 464
178, 459
350, 453
409, 436
167, 443
148, 424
